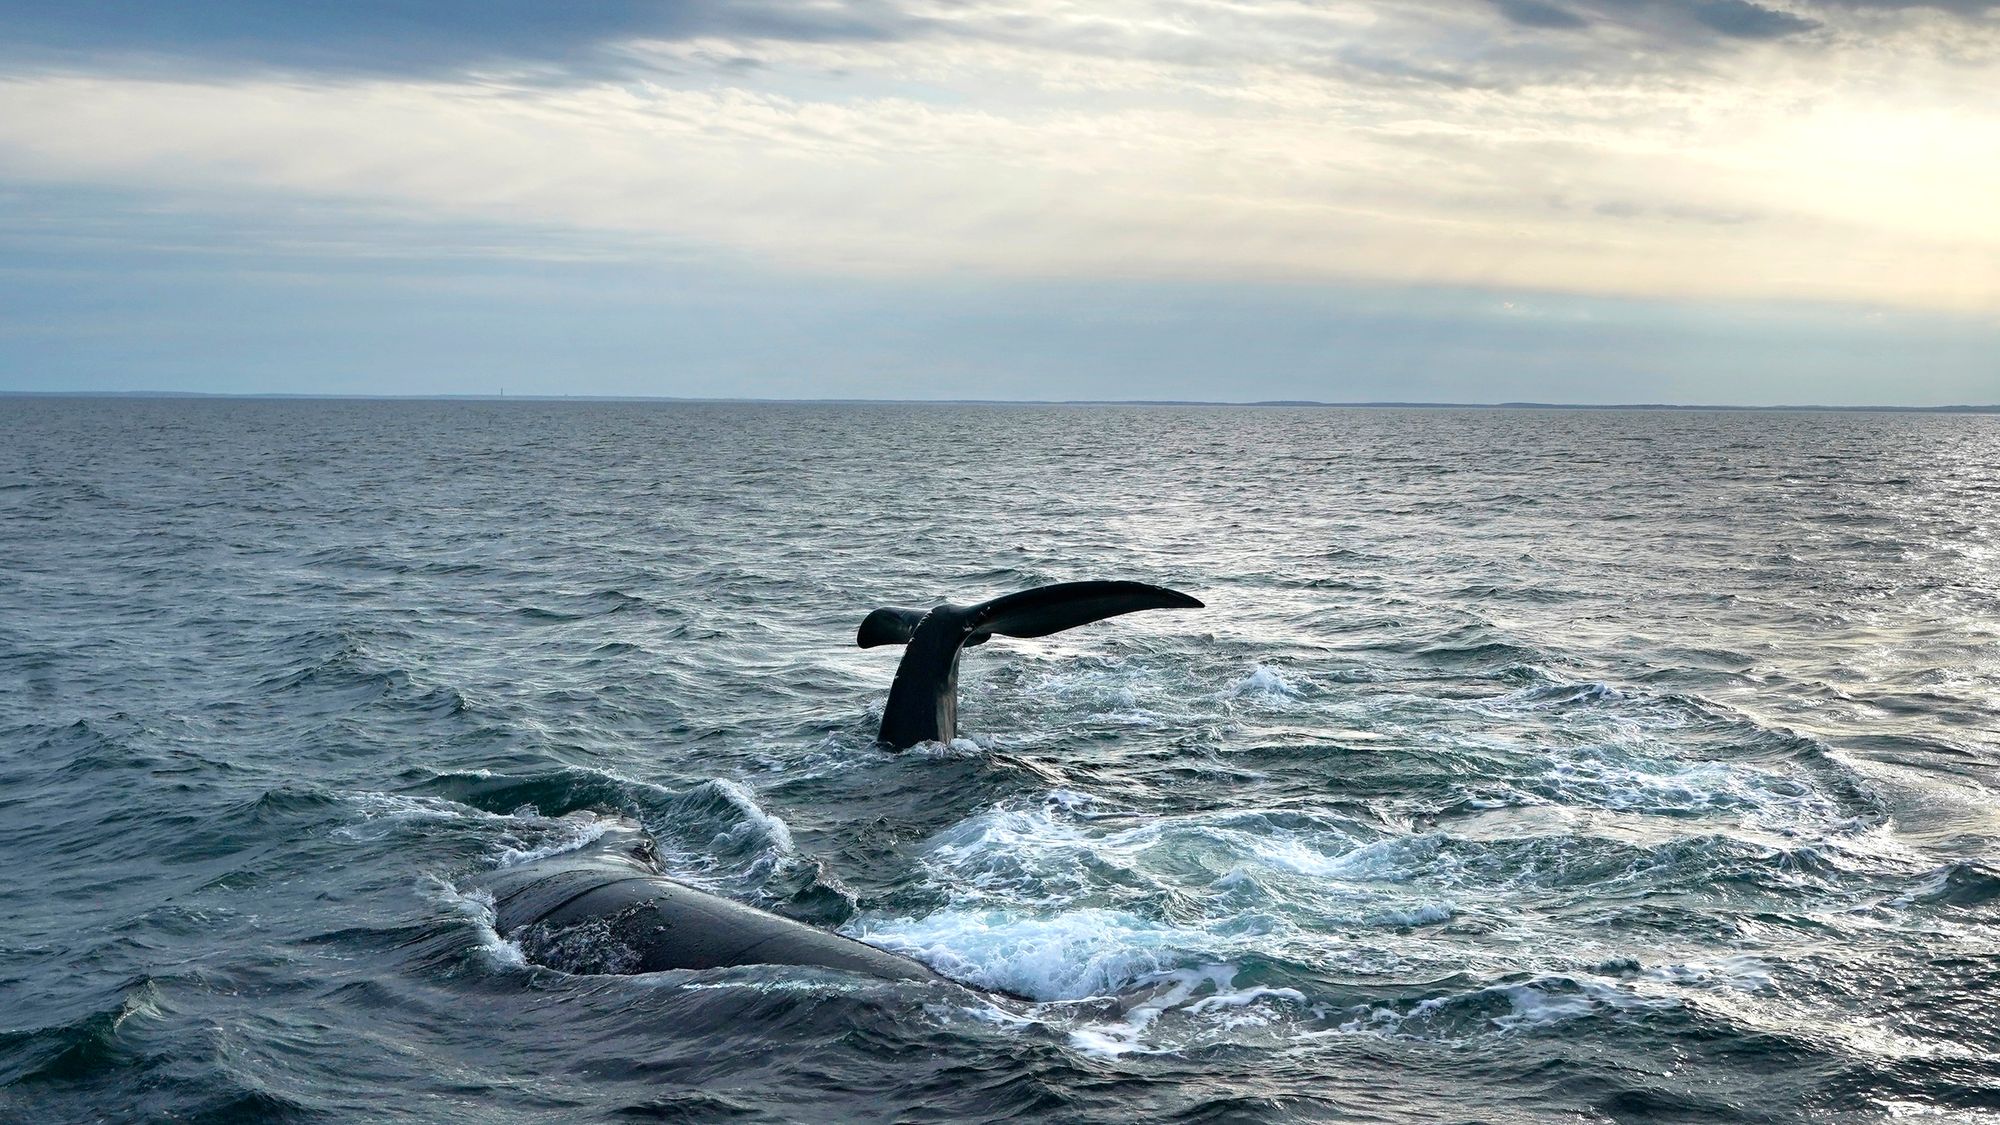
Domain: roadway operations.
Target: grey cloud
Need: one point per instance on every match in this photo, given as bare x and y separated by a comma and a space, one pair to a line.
415, 37
1534, 13
1667, 23
1406, 70
1968, 9
1743, 20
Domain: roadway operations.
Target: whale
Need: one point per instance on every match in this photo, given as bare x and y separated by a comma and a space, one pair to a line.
610, 907
923, 699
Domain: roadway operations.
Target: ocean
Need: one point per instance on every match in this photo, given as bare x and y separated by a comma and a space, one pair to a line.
1524, 765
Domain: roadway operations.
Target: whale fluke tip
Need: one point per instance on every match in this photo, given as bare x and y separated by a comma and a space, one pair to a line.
888, 627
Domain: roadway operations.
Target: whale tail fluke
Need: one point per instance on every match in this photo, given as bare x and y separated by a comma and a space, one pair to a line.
923, 701
1065, 605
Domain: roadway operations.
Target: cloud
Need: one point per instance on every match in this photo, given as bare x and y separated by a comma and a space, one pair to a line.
1670, 26
109, 290
1743, 20
1657, 147
399, 37
1437, 186
1968, 9
1534, 13
542, 174
1451, 42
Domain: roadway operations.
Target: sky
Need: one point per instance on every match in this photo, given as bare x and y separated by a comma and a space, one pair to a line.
1695, 201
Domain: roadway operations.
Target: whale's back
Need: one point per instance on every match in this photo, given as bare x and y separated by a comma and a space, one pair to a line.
612, 915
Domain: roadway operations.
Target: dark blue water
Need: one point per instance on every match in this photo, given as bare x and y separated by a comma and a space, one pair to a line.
1524, 766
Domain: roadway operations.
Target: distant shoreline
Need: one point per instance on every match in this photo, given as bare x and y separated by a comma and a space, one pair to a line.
1388, 405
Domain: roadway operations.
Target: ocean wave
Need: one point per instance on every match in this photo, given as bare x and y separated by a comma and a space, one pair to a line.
475, 907
1686, 814
718, 824
570, 833
383, 814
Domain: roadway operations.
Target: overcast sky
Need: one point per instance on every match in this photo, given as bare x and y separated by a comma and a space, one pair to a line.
1732, 201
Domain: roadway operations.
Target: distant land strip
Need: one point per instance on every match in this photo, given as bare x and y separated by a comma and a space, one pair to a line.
1990, 408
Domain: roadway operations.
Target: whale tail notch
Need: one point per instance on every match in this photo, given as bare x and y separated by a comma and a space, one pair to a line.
923, 701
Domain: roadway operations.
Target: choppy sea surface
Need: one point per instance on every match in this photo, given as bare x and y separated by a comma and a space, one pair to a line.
1524, 766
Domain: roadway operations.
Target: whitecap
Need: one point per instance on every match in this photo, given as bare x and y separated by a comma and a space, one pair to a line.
576, 831
476, 906
756, 824
382, 813
1263, 680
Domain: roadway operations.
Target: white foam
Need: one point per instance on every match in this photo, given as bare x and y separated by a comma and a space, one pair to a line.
1134, 717
1028, 855
1002, 828
1532, 1007
1263, 680
1096, 686
1740, 973
1110, 1040
1392, 860
383, 813
476, 906
1543, 1001
1243, 998
755, 825
1069, 801
142, 1003
1170, 989
1072, 955
1223, 1010
987, 1013
957, 748
1288, 853
1053, 855
1427, 914
593, 947
1630, 764
1238, 878
578, 830
1551, 1000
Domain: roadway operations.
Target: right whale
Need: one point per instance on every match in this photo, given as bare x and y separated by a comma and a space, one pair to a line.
923, 702
608, 907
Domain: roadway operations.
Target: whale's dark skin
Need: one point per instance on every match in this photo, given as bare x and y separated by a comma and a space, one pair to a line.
608, 909
923, 701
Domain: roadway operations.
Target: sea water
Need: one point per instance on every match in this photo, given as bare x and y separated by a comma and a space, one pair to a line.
1523, 766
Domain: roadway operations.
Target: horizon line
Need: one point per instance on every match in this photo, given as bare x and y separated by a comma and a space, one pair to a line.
1958, 408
